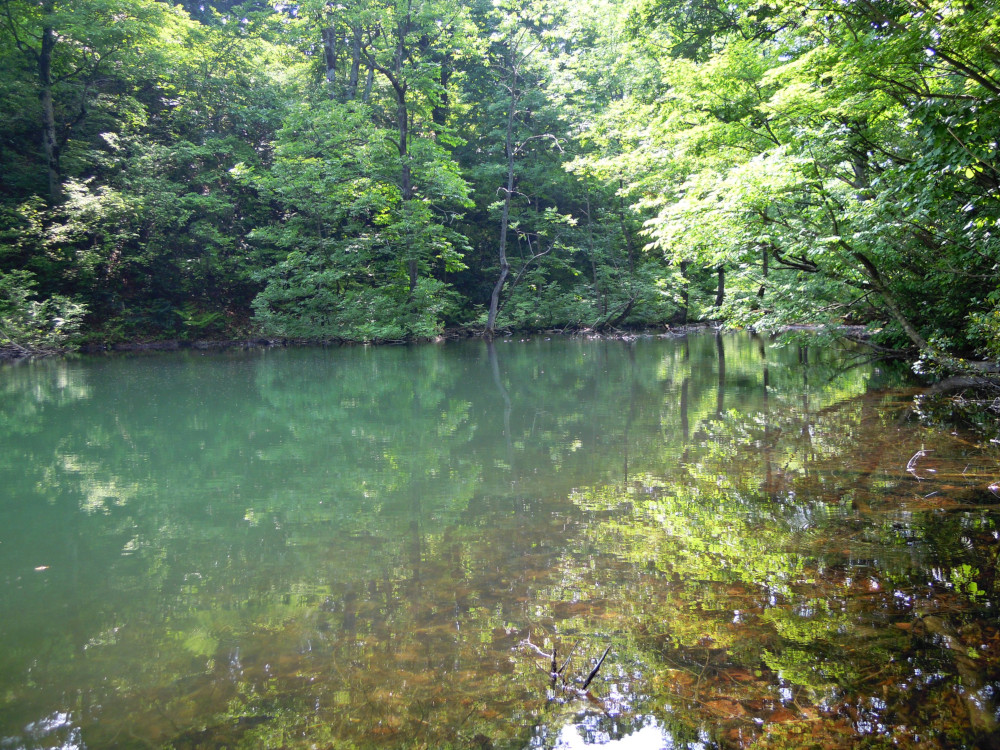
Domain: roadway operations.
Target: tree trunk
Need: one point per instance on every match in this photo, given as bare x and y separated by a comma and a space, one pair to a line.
406, 182
505, 215
590, 252
403, 123
764, 270
352, 81
394, 75
50, 144
720, 293
877, 283
682, 316
369, 82
439, 115
629, 244
330, 54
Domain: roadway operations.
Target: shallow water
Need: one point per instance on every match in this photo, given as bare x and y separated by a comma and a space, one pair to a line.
390, 547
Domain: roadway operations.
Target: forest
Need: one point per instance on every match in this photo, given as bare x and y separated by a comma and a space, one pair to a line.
389, 170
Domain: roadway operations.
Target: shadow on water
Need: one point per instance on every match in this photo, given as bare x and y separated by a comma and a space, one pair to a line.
693, 543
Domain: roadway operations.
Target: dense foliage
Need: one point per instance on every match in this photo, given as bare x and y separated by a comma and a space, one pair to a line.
383, 169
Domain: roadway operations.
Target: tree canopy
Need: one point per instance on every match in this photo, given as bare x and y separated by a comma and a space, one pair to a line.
379, 170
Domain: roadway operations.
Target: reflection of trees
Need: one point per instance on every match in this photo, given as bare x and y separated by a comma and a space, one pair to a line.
793, 593
348, 545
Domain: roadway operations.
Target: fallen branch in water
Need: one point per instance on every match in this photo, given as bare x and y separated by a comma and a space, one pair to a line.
962, 382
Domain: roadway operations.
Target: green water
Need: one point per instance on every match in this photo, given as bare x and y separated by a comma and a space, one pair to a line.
382, 547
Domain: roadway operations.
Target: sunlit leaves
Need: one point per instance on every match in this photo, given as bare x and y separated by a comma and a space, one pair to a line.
846, 143
29, 325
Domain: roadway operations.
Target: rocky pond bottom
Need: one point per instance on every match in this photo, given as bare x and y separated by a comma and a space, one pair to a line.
706, 542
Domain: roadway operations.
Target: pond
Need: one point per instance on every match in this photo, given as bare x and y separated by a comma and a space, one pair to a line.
393, 547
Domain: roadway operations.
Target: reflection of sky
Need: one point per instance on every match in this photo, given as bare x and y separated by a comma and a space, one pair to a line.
55, 728
650, 737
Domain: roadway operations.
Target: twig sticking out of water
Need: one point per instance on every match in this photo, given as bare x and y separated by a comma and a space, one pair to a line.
557, 673
566, 663
594, 671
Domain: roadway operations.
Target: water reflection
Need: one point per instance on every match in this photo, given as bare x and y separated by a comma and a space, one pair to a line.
327, 547
54, 731
592, 734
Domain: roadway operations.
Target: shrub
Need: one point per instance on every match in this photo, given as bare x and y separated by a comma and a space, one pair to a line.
31, 326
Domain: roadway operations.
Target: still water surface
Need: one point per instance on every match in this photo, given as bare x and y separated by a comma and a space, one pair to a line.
391, 547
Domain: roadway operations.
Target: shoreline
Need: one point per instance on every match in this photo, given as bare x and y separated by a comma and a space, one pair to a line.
853, 333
